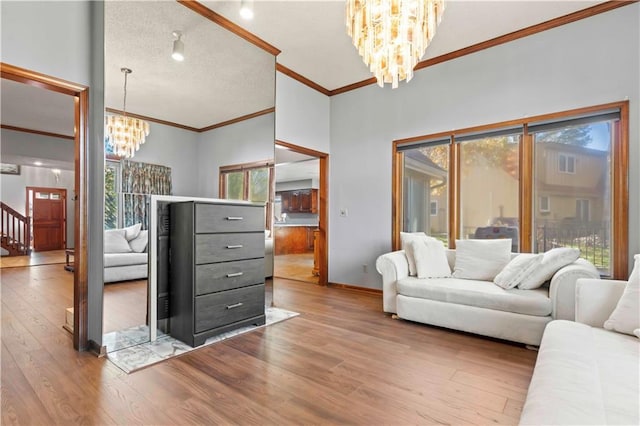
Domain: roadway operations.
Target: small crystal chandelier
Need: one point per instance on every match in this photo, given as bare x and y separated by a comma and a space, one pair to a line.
392, 35
125, 134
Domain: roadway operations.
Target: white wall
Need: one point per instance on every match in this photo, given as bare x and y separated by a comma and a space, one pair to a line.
14, 190
589, 62
51, 37
302, 114
243, 142
176, 148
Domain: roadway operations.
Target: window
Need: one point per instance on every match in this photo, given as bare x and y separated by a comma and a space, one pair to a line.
250, 182
544, 204
425, 190
566, 163
112, 206
520, 180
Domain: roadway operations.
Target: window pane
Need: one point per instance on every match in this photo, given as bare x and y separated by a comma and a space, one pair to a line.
489, 187
259, 185
235, 185
425, 191
110, 198
579, 196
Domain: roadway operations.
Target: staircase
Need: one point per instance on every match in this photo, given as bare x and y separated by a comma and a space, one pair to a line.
15, 231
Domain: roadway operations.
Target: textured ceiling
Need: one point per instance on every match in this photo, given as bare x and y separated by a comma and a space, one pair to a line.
312, 34
222, 77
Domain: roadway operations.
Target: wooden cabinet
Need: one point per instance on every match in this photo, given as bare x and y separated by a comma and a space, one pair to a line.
316, 252
293, 239
299, 201
216, 269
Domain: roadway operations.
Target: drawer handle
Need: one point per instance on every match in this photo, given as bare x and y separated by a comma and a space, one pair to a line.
235, 274
234, 218
235, 305
235, 246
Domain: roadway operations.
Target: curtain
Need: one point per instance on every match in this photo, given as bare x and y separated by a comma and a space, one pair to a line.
139, 182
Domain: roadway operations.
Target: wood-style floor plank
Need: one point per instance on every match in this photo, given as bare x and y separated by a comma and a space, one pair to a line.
342, 361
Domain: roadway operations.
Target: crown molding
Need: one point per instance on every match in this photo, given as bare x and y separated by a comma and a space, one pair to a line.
524, 32
204, 11
36, 132
237, 120
302, 79
194, 129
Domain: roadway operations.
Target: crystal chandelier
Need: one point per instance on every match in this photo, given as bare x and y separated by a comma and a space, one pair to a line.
125, 134
392, 35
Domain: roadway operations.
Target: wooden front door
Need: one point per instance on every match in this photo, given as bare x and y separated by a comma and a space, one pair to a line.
49, 215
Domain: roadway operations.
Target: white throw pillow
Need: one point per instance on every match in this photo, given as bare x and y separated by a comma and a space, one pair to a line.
139, 244
553, 260
431, 259
625, 318
481, 259
405, 244
520, 267
637, 332
115, 242
131, 232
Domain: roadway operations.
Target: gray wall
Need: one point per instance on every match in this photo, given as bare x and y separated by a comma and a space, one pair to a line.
176, 148
302, 114
243, 142
589, 62
37, 146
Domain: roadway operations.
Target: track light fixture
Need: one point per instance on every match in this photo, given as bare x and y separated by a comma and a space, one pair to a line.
178, 47
246, 9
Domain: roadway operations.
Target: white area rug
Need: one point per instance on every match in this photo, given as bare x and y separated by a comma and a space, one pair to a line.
130, 359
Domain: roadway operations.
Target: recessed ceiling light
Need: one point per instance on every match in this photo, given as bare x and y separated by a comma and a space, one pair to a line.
38, 163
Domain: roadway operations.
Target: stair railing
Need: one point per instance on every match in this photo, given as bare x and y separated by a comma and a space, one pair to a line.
15, 230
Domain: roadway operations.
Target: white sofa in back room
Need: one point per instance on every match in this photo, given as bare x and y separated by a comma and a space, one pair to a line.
478, 305
125, 254
586, 374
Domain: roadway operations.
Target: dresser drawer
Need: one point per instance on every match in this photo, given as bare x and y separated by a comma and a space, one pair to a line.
218, 309
214, 277
212, 248
223, 218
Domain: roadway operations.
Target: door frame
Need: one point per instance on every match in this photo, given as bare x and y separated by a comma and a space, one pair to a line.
323, 206
64, 209
80, 94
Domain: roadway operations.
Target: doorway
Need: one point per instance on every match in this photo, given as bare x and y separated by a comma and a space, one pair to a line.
300, 212
47, 208
80, 97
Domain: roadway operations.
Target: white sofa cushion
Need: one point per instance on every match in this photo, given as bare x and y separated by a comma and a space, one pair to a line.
481, 259
431, 260
553, 260
481, 294
625, 318
131, 232
517, 269
139, 243
124, 259
584, 375
406, 238
115, 241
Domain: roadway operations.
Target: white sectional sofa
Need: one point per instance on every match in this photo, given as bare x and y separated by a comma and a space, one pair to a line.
479, 307
125, 256
584, 374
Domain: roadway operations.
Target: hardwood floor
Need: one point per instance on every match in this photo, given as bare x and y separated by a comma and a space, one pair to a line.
295, 267
35, 259
342, 361
125, 305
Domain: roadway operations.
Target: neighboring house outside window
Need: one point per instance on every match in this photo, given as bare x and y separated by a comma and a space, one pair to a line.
434, 208
566, 163
545, 206
582, 210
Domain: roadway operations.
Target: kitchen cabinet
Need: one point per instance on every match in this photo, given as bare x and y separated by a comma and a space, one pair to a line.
299, 201
293, 239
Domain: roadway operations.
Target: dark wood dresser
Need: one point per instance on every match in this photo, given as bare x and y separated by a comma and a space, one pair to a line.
217, 269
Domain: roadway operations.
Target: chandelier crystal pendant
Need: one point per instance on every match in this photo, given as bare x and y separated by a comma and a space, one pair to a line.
125, 134
392, 35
